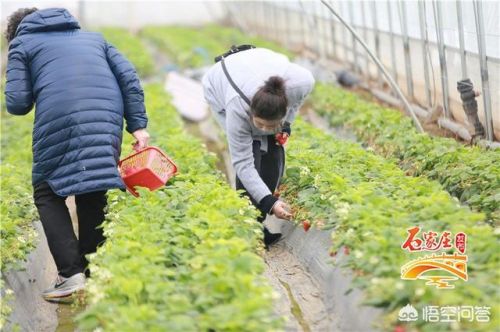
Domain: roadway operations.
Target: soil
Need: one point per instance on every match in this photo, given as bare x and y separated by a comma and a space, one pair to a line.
299, 296
30, 311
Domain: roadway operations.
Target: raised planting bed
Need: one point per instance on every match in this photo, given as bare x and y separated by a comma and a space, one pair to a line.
16, 206
469, 173
185, 257
193, 47
369, 203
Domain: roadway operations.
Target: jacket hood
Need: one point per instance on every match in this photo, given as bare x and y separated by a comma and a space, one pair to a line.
51, 19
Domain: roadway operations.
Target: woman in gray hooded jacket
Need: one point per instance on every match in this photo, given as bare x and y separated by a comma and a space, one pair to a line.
255, 95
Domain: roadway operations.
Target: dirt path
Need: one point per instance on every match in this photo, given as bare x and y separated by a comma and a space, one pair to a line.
31, 312
300, 299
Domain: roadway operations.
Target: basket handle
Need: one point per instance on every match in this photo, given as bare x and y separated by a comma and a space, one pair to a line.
135, 146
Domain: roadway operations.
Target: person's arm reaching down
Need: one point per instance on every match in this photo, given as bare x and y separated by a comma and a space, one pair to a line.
133, 95
240, 141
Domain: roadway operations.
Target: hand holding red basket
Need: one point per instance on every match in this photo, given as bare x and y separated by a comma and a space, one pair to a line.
149, 167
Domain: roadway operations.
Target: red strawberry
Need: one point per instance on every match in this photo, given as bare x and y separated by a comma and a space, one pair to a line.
281, 138
399, 328
346, 250
306, 224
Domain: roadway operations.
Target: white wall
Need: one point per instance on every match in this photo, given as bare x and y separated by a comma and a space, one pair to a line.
132, 14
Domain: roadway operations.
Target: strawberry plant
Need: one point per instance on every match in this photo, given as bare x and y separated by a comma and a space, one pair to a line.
182, 258
469, 173
16, 206
368, 203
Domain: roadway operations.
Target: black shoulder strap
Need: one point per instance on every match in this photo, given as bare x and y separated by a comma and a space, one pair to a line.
233, 50
235, 87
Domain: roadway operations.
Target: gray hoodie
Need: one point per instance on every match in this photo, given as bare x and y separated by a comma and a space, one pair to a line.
249, 70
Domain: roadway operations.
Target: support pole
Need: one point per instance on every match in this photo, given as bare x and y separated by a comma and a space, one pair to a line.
387, 76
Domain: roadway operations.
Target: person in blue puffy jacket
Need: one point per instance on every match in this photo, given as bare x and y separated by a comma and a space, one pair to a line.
82, 89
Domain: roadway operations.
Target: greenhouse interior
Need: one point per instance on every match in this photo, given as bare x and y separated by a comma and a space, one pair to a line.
250, 166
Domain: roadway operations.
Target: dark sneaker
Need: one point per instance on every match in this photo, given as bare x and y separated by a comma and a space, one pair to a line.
64, 287
270, 238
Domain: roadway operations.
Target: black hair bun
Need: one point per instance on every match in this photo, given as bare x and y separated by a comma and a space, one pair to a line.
275, 85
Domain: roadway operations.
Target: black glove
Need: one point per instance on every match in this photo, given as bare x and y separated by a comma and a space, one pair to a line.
267, 203
286, 128
282, 137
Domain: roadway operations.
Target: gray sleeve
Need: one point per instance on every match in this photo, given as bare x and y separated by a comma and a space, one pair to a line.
303, 85
239, 136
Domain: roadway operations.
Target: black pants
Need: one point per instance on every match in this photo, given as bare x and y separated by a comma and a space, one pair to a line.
270, 166
68, 251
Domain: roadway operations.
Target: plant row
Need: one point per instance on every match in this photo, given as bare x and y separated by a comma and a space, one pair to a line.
183, 258
190, 47
17, 211
369, 203
468, 173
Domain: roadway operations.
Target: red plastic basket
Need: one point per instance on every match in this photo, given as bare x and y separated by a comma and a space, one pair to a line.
149, 167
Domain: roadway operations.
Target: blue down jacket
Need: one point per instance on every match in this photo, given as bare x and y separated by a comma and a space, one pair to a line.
82, 88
